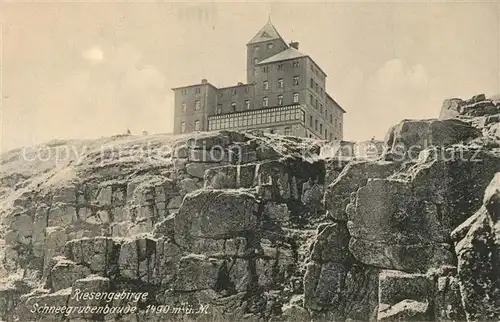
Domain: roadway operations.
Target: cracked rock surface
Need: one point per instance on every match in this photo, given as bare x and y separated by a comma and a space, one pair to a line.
259, 227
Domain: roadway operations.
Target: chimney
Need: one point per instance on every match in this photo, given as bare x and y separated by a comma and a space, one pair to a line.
294, 44
204, 81
240, 83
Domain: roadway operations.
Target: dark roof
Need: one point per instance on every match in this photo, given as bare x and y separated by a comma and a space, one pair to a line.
268, 32
328, 95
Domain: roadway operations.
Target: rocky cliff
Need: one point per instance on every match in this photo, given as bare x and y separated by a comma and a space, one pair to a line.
233, 226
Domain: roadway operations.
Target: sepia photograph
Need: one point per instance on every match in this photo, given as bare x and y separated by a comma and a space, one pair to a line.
288, 161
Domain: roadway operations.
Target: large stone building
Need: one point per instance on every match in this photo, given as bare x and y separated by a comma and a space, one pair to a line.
285, 93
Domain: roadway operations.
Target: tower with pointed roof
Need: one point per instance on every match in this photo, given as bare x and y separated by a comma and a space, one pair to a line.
266, 43
285, 92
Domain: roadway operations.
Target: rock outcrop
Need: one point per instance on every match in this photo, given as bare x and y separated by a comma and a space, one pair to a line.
230, 226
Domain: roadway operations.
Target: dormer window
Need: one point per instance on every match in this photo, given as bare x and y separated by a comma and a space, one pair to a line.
270, 45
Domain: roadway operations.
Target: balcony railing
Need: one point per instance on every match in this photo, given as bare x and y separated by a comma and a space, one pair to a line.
257, 118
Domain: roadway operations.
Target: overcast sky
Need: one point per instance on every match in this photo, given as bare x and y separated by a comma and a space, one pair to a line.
89, 69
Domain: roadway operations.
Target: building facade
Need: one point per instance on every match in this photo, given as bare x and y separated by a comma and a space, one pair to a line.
285, 93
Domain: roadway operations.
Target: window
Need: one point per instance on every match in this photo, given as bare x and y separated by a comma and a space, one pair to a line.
265, 69
331, 118
197, 90
233, 91
321, 108
316, 125
219, 109
256, 48
280, 99
221, 93
310, 120
311, 99
321, 128
295, 64
255, 60
266, 85
197, 105
246, 89
280, 83
233, 106
196, 125
247, 104
265, 102
270, 46
295, 80
321, 90
331, 136
316, 84
312, 83
183, 107
288, 130
295, 97
316, 104
280, 66
326, 133
184, 92
183, 127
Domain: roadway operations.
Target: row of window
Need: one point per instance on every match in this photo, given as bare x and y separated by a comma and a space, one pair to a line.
314, 102
265, 69
320, 127
269, 46
197, 106
265, 84
314, 70
258, 118
315, 86
197, 90
265, 103
196, 126
233, 91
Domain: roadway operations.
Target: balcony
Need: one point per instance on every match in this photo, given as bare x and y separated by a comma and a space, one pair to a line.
269, 116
